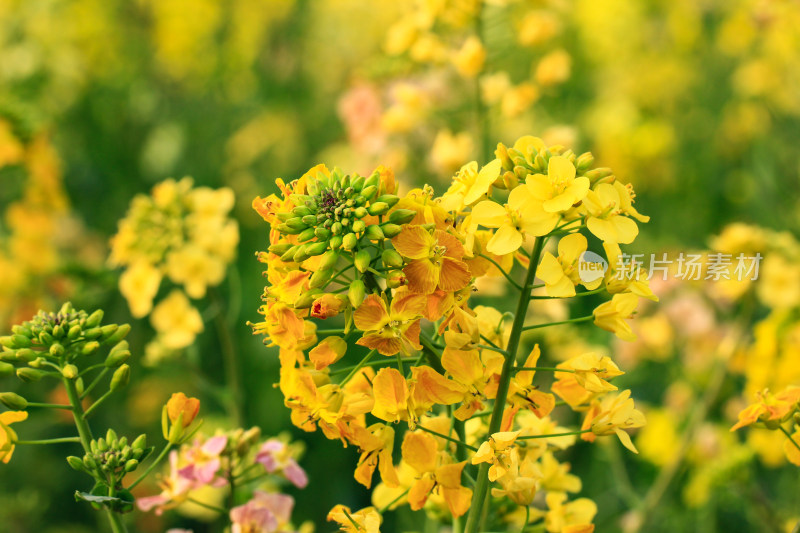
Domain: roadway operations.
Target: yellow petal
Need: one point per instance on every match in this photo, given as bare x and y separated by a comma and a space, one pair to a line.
419, 451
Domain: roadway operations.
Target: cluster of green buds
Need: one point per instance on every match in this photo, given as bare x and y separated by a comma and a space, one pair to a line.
341, 216
112, 457
516, 165
54, 344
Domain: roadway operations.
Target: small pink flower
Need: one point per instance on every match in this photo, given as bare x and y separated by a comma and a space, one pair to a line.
204, 461
276, 457
265, 513
175, 489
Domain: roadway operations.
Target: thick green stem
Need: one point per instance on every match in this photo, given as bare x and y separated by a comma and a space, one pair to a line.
85, 435
482, 486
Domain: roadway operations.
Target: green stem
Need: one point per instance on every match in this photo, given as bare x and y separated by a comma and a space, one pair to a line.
50, 405
570, 321
553, 435
482, 486
94, 406
85, 438
94, 382
506, 274
207, 506
151, 467
789, 436
330, 331
49, 441
358, 367
388, 505
371, 363
542, 368
492, 348
451, 439
433, 355
230, 361
578, 295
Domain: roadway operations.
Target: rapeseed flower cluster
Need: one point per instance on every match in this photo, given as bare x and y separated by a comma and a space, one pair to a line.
352, 259
184, 234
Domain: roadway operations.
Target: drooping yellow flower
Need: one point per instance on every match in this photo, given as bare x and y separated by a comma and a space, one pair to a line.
611, 315
569, 517
611, 416
497, 452
327, 352
375, 443
522, 216
591, 372
435, 474
435, 260
390, 330
770, 407
559, 190
8, 437
606, 219
561, 274
366, 520
622, 277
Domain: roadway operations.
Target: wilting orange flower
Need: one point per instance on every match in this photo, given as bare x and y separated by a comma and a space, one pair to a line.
326, 306
179, 404
769, 407
390, 330
436, 260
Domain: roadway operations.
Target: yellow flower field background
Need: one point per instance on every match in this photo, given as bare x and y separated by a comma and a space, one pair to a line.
429, 265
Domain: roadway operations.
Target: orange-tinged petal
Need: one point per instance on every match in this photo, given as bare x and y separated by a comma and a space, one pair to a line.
391, 395
371, 314
419, 492
384, 345
422, 275
419, 451
458, 500
433, 388
327, 352
449, 476
407, 305
453, 246
414, 242
454, 276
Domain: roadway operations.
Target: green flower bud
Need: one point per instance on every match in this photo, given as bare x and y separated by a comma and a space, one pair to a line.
306, 299
362, 260
336, 228
107, 331
349, 241
74, 332
319, 278
58, 331
321, 233
328, 259
389, 199
306, 235
300, 254
360, 212
6, 369
76, 464
20, 341
90, 347
345, 221
584, 162
284, 216
118, 355
336, 242
300, 211
316, 248
120, 377
356, 292
111, 437
372, 181
7, 342
395, 278
13, 401
39, 362
56, 349
70, 371
358, 183
131, 465
22, 330
378, 208
374, 233
29, 375
369, 192
26, 355
287, 230
401, 216
296, 224
359, 226
140, 443
280, 248
44, 338
392, 259
93, 320
390, 230
288, 255
92, 333
120, 333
